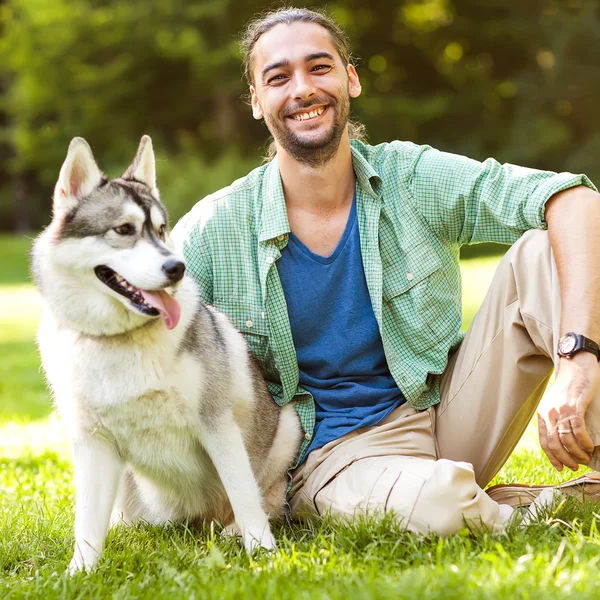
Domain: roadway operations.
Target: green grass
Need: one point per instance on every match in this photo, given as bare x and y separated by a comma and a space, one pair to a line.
554, 558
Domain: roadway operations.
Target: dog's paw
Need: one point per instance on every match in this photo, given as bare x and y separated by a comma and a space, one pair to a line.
82, 560
254, 539
76, 565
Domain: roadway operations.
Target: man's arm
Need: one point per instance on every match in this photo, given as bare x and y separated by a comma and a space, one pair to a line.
573, 218
467, 202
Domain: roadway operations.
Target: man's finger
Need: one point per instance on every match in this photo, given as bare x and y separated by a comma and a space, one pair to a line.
581, 434
543, 435
559, 451
569, 442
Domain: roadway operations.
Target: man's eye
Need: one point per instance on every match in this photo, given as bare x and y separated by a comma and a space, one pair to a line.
125, 229
277, 79
321, 67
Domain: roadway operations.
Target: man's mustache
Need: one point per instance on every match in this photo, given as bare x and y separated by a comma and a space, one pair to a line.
288, 111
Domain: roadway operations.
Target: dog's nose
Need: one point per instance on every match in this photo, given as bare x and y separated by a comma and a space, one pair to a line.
174, 269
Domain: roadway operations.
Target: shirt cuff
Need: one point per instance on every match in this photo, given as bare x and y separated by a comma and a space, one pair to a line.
536, 203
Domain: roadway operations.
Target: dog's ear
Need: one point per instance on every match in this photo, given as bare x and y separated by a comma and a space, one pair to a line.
143, 167
79, 176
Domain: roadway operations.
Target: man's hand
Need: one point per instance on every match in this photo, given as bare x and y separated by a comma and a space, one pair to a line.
561, 424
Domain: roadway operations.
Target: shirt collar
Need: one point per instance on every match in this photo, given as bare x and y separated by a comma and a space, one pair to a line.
274, 222
368, 178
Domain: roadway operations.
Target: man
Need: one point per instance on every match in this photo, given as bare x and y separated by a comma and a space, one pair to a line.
339, 263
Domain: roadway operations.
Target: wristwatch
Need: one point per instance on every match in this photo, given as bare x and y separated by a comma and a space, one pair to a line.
572, 343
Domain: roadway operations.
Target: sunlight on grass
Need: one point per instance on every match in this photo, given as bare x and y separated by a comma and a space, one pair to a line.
20, 308
35, 438
477, 274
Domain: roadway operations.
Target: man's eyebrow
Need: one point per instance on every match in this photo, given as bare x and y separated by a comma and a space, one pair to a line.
286, 63
276, 65
317, 55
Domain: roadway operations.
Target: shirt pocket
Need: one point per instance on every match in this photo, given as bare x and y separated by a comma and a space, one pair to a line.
418, 296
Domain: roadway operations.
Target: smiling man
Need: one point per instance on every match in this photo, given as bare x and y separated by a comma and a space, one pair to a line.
339, 262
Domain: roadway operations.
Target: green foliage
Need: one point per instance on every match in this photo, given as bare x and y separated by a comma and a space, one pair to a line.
187, 177
516, 80
111, 71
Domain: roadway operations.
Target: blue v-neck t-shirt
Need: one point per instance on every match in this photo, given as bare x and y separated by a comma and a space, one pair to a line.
337, 340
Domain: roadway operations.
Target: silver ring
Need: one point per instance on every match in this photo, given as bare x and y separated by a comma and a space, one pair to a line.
565, 431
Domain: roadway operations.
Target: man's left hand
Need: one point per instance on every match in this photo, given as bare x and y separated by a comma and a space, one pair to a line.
561, 414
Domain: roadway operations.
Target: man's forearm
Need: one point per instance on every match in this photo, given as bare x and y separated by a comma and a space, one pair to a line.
573, 218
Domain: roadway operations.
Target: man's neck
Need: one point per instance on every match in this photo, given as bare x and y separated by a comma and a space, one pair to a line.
326, 188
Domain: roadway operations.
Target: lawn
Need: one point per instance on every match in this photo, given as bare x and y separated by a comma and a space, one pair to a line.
556, 557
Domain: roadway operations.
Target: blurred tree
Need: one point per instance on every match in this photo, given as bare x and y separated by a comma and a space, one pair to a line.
111, 71
511, 79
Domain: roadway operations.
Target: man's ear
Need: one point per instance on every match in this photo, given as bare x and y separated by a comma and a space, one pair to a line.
143, 167
354, 87
257, 111
79, 176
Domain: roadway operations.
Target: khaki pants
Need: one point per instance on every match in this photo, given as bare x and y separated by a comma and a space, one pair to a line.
429, 467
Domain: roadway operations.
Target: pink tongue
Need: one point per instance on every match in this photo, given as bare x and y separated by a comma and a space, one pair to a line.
165, 304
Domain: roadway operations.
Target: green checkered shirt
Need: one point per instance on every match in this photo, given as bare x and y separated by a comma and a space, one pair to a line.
416, 206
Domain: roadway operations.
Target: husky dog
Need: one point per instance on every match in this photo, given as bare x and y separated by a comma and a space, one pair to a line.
169, 415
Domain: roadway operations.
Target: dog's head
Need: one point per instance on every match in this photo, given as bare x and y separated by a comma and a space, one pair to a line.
106, 263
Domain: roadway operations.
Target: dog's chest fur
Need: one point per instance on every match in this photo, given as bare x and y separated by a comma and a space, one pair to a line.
145, 399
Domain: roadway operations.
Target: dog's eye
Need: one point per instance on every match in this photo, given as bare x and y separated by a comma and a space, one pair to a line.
126, 229
162, 231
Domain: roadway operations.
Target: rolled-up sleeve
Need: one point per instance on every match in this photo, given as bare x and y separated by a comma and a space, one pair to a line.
466, 201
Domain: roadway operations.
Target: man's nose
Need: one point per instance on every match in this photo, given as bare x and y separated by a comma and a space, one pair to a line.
304, 87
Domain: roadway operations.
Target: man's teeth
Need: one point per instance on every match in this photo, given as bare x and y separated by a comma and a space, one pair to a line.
309, 115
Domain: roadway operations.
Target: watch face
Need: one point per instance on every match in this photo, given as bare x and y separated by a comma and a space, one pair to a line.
567, 343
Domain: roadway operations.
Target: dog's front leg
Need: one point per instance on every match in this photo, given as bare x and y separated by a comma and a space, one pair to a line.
224, 443
97, 471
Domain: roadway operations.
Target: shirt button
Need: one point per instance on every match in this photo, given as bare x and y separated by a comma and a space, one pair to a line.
262, 314
249, 323
307, 437
281, 237
410, 276
270, 260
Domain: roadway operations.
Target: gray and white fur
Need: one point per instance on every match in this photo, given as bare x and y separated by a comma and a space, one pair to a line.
169, 415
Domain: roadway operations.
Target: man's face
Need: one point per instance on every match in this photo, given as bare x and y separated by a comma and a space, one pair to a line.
302, 89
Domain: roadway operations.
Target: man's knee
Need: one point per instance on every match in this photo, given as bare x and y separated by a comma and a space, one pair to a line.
445, 499
533, 247
427, 496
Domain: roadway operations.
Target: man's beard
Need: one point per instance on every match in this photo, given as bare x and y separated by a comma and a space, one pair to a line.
312, 151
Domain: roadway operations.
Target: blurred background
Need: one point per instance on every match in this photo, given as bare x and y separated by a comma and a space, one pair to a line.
518, 80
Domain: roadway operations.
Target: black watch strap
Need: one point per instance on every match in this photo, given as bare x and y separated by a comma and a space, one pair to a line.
571, 343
